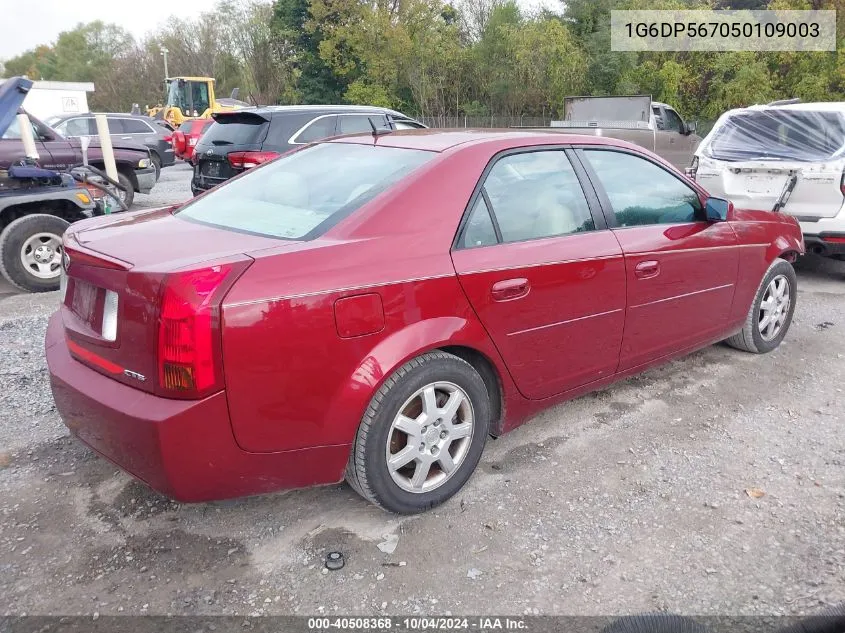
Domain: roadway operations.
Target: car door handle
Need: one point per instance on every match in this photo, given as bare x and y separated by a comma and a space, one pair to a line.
647, 269
509, 289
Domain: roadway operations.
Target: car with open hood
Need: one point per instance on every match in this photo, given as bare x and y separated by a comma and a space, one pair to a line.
789, 157
373, 307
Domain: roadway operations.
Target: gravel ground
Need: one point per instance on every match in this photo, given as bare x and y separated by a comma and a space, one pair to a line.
173, 186
627, 500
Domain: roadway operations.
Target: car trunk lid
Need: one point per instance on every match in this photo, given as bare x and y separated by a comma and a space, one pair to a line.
113, 277
232, 132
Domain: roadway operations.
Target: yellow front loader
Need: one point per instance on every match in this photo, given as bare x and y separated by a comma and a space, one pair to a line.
192, 98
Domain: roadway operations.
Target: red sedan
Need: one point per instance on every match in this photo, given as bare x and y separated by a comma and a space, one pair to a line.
373, 307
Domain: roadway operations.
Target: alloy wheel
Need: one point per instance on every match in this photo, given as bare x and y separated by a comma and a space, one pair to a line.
430, 437
41, 255
774, 308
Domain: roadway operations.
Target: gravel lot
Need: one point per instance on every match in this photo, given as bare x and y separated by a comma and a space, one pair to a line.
627, 500
173, 186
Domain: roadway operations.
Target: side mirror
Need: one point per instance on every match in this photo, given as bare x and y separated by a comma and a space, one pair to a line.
717, 209
690, 127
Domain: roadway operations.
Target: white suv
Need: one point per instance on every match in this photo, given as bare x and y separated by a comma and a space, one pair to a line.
788, 157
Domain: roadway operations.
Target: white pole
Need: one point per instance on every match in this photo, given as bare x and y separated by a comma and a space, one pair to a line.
105, 144
26, 137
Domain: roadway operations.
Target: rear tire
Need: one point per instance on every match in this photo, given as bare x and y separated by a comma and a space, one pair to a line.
30, 252
422, 434
771, 312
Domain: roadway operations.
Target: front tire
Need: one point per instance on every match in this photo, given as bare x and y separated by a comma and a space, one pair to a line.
128, 192
156, 161
422, 434
31, 252
771, 312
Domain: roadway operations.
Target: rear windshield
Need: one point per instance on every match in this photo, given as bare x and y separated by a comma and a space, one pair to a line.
780, 134
237, 130
301, 195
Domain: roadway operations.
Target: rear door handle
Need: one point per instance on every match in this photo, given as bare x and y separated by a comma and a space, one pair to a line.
647, 269
509, 289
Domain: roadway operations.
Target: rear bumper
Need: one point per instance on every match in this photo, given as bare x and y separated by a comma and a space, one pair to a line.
146, 179
182, 448
204, 183
168, 157
822, 245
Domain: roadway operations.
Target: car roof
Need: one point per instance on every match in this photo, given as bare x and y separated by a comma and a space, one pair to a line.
440, 140
327, 109
122, 115
821, 106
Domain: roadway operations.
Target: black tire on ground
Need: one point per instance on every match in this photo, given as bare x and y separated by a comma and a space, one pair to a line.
654, 623
750, 338
156, 160
12, 240
125, 182
367, 471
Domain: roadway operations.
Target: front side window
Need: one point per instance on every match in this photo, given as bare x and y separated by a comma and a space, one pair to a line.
642, 193
79, 127
537, 194
671, 121
301, 195
359, 124
14, 131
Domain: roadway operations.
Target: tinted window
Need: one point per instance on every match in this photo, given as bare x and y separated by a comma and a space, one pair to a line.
115, 126
293, 196
236, 130
359, 123
320, 128
642, 193
671, 121
135, 126
536, 194
479, 229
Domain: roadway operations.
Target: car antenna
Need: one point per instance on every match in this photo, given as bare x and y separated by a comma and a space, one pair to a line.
376, 131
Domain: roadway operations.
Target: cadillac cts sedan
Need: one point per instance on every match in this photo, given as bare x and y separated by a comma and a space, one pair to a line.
374, 307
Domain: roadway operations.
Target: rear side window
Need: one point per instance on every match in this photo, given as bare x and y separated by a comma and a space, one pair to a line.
135, 126
116, 126
318, 129
237, 130
301, 195
642, 193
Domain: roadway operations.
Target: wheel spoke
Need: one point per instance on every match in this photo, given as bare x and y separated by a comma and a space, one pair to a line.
767, 304
429, 401
459, 431
403, 458
450, 409
421, 473
408, 425
447, 464
44, 268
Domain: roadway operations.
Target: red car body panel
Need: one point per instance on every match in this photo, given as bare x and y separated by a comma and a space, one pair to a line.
185, 139
312, 329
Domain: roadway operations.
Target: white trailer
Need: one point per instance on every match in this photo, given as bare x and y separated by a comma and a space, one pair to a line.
53, 98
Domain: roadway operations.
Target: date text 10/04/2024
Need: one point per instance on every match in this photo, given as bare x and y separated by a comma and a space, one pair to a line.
481, 624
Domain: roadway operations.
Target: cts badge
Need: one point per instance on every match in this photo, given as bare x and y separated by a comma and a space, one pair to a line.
134, 374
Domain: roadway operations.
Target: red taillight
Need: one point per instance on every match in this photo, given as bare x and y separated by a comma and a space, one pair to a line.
245, 160
189, 345
178, 141
834, 239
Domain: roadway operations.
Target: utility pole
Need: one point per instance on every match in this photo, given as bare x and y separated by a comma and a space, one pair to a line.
164, 52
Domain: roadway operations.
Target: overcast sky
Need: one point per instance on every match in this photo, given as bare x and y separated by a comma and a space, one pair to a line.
27, 23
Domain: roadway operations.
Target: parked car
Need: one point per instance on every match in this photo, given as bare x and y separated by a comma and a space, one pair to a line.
790, 157
123, 127
636, 119
374, 306
134, 165
186, 137
246, 138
